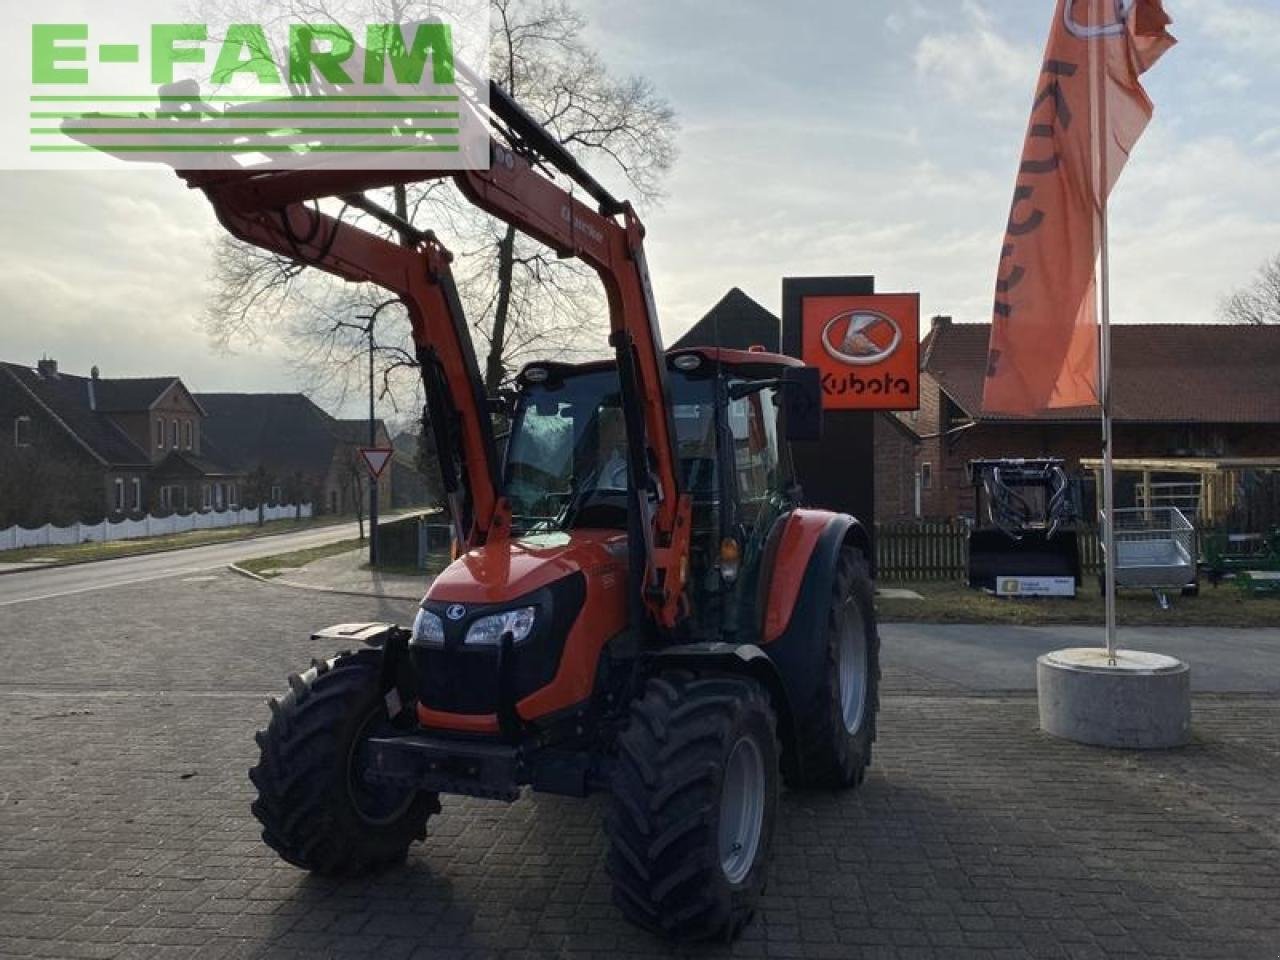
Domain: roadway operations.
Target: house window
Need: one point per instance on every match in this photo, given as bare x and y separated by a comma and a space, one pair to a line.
22, 432
119, 495
173, 497
926, 476
188, 432
173, 434
232, 500
277, 495
160, 434
207, 494
137, 495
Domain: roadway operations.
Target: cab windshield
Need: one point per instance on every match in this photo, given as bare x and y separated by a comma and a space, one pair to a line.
566, 462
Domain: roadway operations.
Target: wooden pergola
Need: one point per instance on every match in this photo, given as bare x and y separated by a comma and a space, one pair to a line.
1214, 488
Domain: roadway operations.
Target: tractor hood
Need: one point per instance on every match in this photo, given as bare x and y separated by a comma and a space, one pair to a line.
510, 569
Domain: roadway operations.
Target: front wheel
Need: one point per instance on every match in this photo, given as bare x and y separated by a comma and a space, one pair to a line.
316, 810
695, 796
838, 727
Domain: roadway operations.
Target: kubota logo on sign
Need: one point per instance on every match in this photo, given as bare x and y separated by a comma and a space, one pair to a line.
861, 337
866, 349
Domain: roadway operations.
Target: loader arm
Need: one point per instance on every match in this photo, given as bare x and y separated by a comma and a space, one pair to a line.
613, 245
270, 209
257, 211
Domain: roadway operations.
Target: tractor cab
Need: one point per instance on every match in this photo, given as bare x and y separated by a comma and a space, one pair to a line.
566, 466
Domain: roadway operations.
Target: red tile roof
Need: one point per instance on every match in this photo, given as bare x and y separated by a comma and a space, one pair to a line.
1163, 372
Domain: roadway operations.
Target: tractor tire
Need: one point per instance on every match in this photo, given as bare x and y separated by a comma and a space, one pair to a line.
695, 797
837, 729
316, 811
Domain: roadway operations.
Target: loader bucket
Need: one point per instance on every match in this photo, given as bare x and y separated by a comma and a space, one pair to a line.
993, 553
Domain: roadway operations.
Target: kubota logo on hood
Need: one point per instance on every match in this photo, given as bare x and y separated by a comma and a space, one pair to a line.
861, 338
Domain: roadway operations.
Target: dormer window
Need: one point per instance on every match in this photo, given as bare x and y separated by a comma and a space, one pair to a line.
160, 434
188, 433
173, 434
22, 432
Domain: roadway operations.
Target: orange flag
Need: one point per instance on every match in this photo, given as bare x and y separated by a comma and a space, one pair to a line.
1044, 331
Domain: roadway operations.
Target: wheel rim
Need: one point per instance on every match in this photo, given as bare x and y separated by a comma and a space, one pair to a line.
742, 799
375, 804
853, 669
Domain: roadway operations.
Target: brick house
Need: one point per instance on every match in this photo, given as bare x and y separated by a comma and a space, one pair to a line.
83, 448
292, 450
739, 322
1182, 392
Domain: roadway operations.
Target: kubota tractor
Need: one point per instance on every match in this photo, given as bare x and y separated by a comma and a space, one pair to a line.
642, 603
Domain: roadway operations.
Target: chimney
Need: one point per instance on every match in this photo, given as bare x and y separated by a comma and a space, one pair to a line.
940, 321
48, 369
93, 383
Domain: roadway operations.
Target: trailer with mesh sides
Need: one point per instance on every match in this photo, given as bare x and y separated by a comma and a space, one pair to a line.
1155, 549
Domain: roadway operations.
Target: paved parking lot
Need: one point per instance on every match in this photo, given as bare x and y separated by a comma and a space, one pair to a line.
124, 825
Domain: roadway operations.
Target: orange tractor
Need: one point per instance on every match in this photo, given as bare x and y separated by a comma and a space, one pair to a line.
642, 604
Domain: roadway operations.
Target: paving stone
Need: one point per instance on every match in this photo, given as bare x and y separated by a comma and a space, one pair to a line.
125, 831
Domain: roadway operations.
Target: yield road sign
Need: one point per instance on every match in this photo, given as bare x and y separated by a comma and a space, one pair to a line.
376, 459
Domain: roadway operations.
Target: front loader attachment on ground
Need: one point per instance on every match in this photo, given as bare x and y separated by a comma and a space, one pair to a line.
1025, 512
994, 554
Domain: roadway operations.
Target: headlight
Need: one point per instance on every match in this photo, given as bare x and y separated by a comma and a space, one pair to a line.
427, 628
488, 631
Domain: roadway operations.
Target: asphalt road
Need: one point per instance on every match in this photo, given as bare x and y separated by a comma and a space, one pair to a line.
52, 583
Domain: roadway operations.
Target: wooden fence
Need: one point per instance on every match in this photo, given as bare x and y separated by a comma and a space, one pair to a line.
940, 551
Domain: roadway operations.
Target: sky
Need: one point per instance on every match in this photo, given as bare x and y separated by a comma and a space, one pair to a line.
823, 137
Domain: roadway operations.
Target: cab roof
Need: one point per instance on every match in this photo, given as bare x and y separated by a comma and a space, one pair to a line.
749, 363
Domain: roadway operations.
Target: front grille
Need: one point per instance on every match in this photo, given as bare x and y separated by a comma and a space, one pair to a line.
456, 678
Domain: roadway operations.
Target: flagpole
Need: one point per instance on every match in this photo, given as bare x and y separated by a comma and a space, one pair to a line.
1097, 82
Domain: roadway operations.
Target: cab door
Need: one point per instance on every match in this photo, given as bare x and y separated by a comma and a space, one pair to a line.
758, 472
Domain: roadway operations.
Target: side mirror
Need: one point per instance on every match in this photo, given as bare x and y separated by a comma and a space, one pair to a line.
801, 404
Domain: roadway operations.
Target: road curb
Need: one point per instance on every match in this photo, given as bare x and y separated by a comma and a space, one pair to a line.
314, 588
151, 553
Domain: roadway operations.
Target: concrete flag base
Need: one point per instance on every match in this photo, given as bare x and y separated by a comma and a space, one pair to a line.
1142, 701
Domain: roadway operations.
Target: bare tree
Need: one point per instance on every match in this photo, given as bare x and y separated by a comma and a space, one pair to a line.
1259, 300
521, 301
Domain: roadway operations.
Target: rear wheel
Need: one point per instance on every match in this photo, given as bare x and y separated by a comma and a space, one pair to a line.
695, 795
316, 810
839, 726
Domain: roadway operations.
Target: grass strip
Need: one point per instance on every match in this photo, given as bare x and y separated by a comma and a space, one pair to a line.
276, 564
950, 602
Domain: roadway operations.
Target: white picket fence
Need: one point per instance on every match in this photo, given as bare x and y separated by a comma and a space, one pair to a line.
50, 536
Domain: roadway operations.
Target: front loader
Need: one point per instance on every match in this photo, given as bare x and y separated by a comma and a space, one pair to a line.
641, 605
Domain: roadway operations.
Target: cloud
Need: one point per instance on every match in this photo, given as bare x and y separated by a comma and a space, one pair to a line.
1229, 80
1240, 27
907, 13
110, 269
977, 66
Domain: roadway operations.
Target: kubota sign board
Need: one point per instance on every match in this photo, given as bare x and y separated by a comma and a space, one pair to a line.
867, 349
